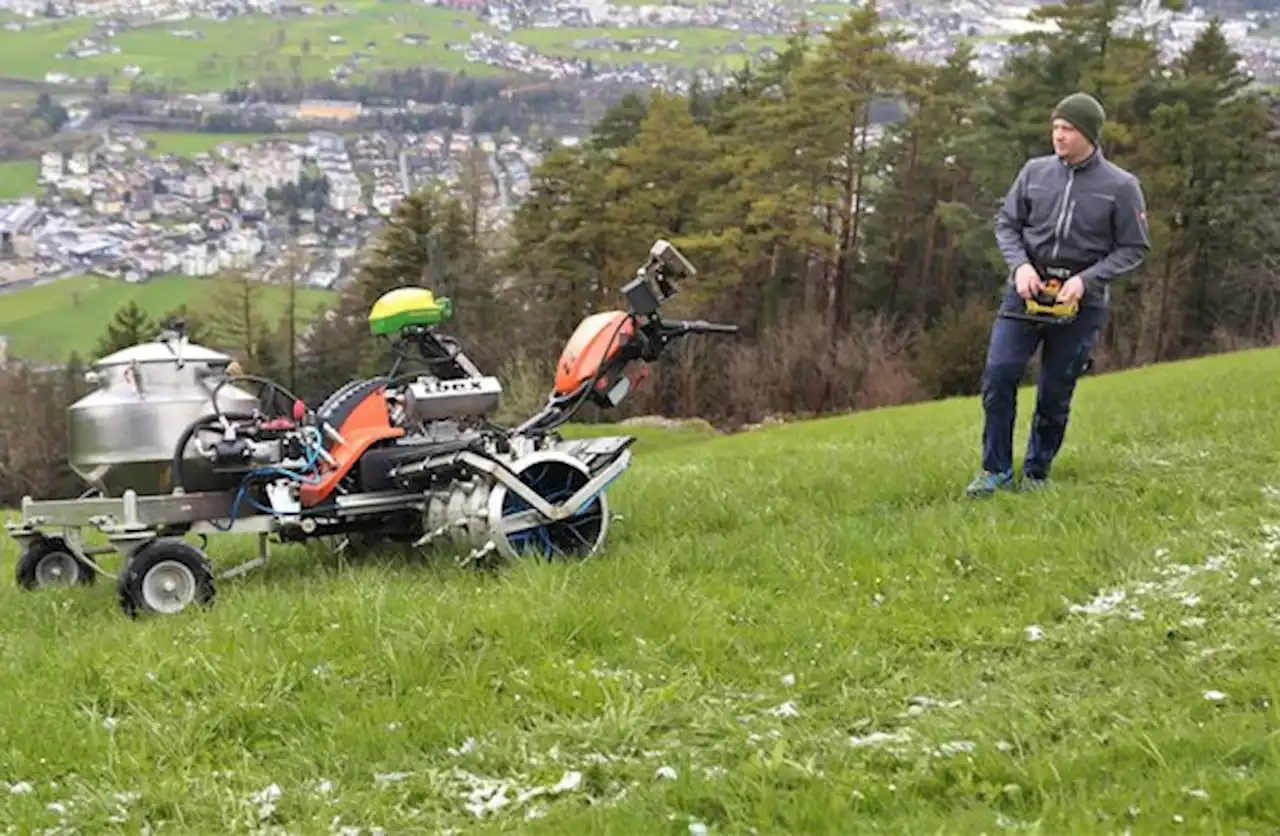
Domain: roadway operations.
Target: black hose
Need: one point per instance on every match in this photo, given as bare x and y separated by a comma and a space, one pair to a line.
178, 464
252, 378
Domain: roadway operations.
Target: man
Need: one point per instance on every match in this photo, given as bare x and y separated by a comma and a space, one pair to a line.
1078, 219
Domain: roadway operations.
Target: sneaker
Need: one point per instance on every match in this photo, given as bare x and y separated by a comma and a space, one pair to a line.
1031, 484
986, 484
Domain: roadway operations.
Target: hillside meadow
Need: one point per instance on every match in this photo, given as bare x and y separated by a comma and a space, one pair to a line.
19, 179
204, 55
47, 322
798, 629
226, 53
693, 47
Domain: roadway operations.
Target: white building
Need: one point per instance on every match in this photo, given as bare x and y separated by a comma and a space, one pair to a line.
344, 192
239, 251
51, 167
79, 163
198, 188
324, 142
198, 261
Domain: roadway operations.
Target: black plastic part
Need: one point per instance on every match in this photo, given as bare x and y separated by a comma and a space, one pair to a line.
177, 470
338, 407
375, 464
230, 453
1037, 319
641, 297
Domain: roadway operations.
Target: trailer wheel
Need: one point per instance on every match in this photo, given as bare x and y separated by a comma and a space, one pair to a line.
49, 561
164, 577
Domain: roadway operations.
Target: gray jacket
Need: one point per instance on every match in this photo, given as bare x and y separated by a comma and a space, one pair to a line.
1088, 218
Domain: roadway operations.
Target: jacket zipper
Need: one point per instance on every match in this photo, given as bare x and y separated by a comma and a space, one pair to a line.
1071, 214
1064, 220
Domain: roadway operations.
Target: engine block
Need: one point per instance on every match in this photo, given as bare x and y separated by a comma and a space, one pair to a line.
459, 514
430, 399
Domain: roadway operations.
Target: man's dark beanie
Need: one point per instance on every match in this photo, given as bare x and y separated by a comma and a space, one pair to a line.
1083, 111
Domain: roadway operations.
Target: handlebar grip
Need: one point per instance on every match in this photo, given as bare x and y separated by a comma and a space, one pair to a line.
701, 326
714, 327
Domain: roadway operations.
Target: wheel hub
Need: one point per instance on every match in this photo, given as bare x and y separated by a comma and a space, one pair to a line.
57, 569
168, 587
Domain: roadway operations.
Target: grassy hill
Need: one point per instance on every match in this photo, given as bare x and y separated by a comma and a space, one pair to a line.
699, 47
233, 51
18, 179
799, 630
46, 323
367, 35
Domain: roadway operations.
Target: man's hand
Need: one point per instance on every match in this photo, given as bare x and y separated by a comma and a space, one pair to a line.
1072, 291
1027, 281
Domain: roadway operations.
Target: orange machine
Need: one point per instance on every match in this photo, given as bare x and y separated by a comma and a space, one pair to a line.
364, 422
409, 458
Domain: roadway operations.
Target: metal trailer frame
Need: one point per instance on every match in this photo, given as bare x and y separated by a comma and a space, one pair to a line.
133, 521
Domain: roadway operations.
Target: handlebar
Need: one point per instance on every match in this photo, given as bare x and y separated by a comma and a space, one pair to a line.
697, 326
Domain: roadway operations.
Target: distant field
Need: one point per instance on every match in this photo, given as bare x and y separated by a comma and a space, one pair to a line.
31, 52
249, 47
47, 323
18, 178
191, 144
696, 47
230, 52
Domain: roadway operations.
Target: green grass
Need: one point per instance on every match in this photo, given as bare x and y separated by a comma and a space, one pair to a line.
18, 179
48, 322
31, 53
699, 47
805, 628
186, 144
249, 47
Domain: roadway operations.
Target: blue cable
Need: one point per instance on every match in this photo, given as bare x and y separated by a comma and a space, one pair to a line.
313, 456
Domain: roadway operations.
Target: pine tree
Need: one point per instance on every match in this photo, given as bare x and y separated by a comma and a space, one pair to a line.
235, 321
129, 326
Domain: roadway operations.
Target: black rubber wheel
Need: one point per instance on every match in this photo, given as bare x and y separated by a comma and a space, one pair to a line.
165, 577
49, 561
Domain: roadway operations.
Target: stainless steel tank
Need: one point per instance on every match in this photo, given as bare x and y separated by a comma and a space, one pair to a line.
123, 435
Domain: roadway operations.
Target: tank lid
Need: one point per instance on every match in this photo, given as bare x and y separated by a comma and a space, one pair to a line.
164, 351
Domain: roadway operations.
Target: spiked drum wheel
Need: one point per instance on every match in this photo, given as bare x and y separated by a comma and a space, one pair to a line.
555, 477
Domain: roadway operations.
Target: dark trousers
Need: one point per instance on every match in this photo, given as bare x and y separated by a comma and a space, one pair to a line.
1065, 356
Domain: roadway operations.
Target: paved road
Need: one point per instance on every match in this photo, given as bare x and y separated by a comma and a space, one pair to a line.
23, 284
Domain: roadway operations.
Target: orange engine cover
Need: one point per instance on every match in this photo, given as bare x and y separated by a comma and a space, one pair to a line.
594, 341
367, 424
